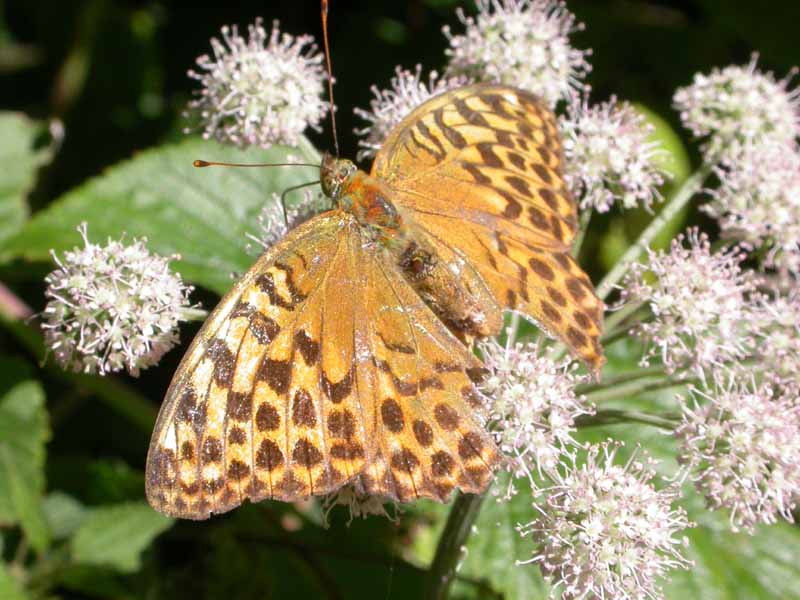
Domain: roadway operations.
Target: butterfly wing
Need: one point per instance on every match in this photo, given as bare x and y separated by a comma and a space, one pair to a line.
480, 169
320, 367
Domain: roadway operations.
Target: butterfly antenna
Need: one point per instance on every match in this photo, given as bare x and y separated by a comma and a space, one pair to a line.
213, 163
283, 199
330, 72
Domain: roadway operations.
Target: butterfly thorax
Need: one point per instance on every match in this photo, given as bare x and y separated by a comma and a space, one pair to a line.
460, 299
364, 197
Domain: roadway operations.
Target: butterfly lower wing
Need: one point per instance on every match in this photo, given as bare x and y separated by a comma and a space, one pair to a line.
480, 169
428, 441
243, 415
316, 369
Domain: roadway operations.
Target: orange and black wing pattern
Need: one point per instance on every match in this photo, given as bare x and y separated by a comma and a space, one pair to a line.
479, 169
321, 367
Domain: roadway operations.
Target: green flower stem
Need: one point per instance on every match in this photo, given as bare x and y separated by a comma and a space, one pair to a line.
613, 417
617, 319
441, 573
194, 314
583, 226
622, 378
690, 187
634, 388
120, 397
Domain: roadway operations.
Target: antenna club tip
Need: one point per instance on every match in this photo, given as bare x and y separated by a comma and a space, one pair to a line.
201, 163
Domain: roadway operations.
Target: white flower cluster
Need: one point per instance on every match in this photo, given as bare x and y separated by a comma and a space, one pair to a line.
388, 107
112, 307
758, 202
524, 43
700, 302
777, 330
260, 91
737, 107
741, 442
359, 505
531, 406
605, 531
610, 156
274, 223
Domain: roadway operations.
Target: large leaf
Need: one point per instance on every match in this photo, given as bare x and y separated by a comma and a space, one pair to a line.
201, 214
115, 535
20, 160
23, 434
63, 513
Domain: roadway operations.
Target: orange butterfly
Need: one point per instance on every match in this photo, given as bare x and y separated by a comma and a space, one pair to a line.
341, 356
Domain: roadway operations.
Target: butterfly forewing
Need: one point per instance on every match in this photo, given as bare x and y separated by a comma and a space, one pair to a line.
322, 366
479, 168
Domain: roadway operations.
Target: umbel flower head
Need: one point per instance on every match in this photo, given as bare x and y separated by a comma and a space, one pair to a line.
262, 90
524, 43
273, 224
741, 442
605, 531
388, 107
758, 202
700, 302
777, 323
112, 307
531, 406
610, 156
738, 106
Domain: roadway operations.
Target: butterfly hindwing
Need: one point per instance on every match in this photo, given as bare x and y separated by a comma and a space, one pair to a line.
480, 168
321, 366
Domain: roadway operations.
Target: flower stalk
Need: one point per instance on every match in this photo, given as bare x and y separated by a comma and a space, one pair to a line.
690, 187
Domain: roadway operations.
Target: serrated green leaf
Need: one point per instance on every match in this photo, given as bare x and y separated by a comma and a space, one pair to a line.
115, 536
23, 434
20, 160
495, 546
10, 588
200, 214
63, 513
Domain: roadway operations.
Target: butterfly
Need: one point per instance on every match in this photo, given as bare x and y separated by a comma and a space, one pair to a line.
343, 355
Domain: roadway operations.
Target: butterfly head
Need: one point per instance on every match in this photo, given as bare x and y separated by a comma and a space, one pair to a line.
334, 173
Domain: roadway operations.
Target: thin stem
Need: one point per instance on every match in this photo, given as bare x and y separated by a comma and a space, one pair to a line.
635, 388
583, 227
626, 377
690, 187
441, 573
194, 314
513, 329
618, 318
614, 416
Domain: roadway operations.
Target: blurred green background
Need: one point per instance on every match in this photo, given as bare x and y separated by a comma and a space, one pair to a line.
114, 74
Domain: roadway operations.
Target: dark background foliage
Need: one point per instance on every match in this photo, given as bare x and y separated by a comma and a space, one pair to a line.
114, 72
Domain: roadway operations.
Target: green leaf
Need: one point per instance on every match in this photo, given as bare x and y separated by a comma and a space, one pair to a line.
63, 513
495, 546
200, 214
20, 160
23, 434
9, 587
116, 535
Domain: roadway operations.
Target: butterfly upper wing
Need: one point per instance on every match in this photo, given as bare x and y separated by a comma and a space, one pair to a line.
480, 169
321, 366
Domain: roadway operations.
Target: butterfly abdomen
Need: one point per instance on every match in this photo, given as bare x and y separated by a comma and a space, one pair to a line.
457, 296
